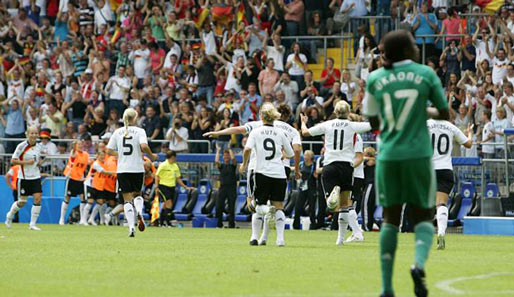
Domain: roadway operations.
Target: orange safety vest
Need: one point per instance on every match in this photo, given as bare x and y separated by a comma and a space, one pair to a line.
149, 178
76, 167
110, 180
99, 178
14, 177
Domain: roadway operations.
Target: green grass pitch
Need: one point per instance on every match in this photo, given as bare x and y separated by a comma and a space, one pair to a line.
103, 261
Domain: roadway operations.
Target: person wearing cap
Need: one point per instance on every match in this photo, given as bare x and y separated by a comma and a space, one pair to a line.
87, 84
48, 147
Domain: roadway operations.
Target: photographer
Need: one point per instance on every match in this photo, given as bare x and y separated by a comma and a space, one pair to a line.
451, 56
178, 136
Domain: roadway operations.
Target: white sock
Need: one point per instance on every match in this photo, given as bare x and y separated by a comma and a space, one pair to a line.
138, 204
101, 211
257, 220
94, 213
64, 209
352, 220
442, 219
82, 206
117, 210
86, 210
14, 209
34, 214
262, 209
265, 231
343, 223
280, 223
129, 215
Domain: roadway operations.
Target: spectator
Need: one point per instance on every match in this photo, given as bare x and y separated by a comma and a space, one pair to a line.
452, 25
95, 120
88, 145
140, 58
268, 77
500, 62
293, 14
206, 79
53, 120
451, 58
156, 57
14, 124
48, 148
289, 88
296, 65
156, 20
275, 51
425, 24
348, 86
201, 124
225, 121
468, 52
329, 76
178, 136
69, 131
354, 8
152, 127
117, 88
315, 28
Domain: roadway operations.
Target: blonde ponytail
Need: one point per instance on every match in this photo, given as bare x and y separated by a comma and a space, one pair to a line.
129, 116
269, 113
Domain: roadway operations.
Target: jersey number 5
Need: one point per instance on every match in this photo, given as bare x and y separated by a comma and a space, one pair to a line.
128, 146
269, 145
411, 95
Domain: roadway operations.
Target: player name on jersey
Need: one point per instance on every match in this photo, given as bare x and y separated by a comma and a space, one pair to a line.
399, 76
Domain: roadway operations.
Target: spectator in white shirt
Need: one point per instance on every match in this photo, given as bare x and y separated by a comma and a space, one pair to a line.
275, 51
296, 65
118, 87
208, 39
290, 89
141, 61
178, 136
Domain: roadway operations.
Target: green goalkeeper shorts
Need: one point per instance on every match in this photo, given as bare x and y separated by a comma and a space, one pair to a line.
407, 181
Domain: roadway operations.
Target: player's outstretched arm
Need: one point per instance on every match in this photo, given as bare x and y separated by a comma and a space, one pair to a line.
227, 131
146, 149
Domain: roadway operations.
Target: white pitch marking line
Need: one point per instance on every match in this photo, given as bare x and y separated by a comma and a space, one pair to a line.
446, 285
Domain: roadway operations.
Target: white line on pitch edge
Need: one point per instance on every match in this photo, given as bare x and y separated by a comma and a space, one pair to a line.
447, 284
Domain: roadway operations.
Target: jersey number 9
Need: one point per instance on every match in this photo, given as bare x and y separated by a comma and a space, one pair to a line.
269, 145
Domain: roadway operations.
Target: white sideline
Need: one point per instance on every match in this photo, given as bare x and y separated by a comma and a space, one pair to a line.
446, 285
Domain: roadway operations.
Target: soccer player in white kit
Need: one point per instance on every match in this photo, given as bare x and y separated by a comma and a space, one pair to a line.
269, 144
443, 133
128, 144
294, 138
358, 174
28, 156
338, 165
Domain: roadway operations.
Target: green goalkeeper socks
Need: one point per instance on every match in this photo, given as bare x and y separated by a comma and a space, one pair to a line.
424, 236
388, 242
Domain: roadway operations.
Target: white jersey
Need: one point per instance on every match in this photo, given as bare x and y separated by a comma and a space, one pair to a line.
442, 134
340, 138
486, 131
291, 133
130, 156
268, 142
358, 172
25, 151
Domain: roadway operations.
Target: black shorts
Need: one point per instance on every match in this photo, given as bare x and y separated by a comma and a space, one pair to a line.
269, 189
444, 180
74, 188
147, 191
27, 187
337, 174
109, 195
130, 182
358, 187
92, 193
288, 171
166, 193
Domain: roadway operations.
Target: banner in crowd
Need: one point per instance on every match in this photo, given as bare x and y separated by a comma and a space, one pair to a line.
490, 6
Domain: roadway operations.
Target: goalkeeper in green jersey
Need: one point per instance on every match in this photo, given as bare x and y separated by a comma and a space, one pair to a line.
397, 96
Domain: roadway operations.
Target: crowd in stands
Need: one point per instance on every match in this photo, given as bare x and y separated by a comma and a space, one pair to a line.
189, 67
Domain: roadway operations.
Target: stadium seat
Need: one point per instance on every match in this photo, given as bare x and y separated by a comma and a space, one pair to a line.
492, 190
240, 204
467, 193
182, 197
210, 206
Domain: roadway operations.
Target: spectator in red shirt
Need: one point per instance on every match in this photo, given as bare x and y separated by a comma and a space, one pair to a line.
329, 76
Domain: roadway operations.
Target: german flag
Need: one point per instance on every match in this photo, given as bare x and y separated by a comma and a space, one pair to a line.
24, 60
115, 4
241, 17
222, 14
490, 6
202, 15
116, 35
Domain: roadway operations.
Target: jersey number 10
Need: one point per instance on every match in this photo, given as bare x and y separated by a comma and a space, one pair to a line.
440, 150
